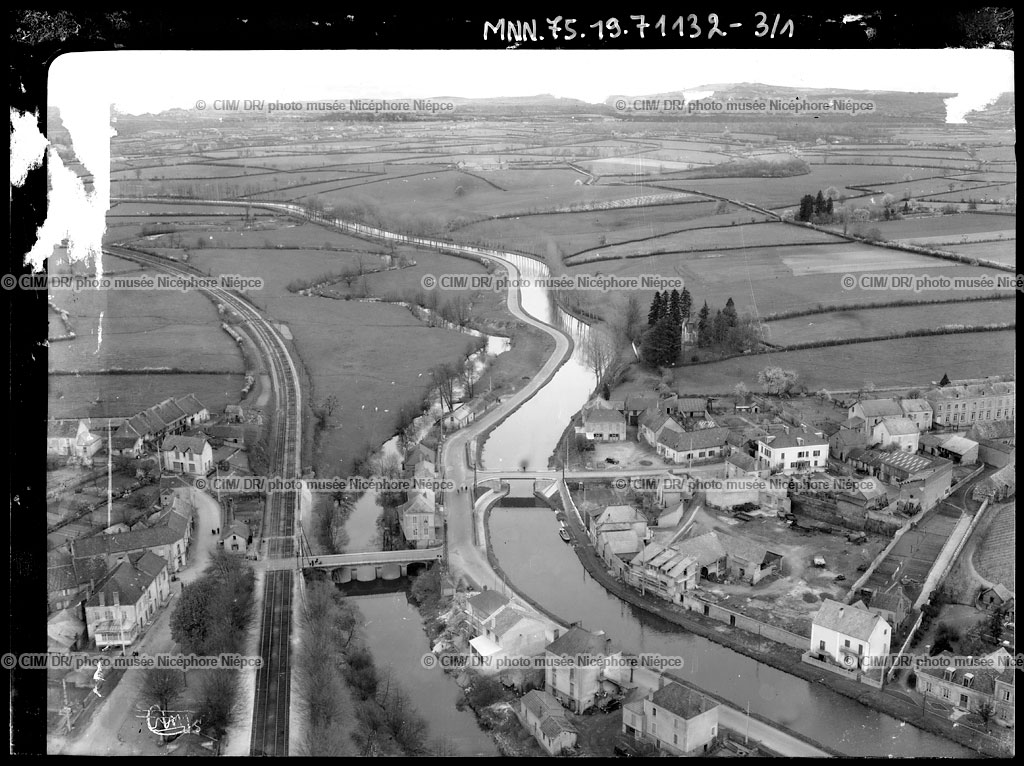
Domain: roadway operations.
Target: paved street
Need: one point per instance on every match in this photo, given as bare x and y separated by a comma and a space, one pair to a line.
117, 713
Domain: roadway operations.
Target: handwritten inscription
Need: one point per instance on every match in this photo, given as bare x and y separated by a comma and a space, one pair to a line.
690, 27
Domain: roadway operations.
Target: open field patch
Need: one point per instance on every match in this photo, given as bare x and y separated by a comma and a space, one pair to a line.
951, 226
1004, 251
100, 396
906, 362
995, 557
853, 258
873, 322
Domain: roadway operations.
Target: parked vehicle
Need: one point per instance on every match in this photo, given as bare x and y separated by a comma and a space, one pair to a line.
564, 534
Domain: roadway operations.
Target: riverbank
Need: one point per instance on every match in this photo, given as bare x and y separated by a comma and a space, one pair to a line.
778, 656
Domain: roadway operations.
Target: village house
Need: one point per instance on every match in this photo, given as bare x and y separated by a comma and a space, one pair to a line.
421, 520
997, 430
68, 581
794, 450
871, 412
918, 410
636, 404
996, 597
510, 632
892, 605
962, 406
169, 417
703, 445
186, 454
845, 439
922, 480
604, 425
575, 672
845, 638
66, 631
749, 561
989, 683
653, 423
169, 538
693, 408
998, 486
482, 606
662, 570
619, 534
896, 433
544, 717
677, 720
127, 599
235, 537
71, 438
707, 550
741, 466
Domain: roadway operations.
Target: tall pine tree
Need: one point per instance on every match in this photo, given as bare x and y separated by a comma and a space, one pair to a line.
654, 314
729, 312
662, 344
703, 325
674, 309
685, 303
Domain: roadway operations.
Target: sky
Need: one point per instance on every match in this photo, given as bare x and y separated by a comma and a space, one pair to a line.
150, 81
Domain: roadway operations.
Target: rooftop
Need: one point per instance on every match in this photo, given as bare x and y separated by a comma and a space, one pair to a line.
682, 701
846, 619
577, 641
487, 602
878, 408
899, 426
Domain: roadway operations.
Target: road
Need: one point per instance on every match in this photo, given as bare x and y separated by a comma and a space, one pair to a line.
113, 728
782, 743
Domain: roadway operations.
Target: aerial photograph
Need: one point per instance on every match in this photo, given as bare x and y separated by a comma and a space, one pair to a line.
530, 403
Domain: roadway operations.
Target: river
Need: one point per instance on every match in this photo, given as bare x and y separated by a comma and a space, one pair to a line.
394, 632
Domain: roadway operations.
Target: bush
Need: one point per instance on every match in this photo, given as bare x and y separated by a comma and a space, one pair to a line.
484, 691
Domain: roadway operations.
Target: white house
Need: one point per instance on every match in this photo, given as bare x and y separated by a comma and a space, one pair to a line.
235, 538
510, 632
675, 719
422, 524
902, 433
704, 444
918, 410
186, 454
71, 438
871, 412
846, 637
127, 599
794, 451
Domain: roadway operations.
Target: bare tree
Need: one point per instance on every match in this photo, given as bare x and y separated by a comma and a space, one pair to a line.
444, 377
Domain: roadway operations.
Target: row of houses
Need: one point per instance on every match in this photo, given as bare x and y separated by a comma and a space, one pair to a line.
943, 406
580, 673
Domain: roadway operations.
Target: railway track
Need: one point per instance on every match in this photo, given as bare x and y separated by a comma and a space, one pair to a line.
273, 680
269, 732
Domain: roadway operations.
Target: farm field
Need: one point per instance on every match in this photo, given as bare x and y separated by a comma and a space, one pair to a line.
282, 233
944, 225
721, 237
574, 232
100, 396
906, 362
369, 355
995, 557
1004, 251
980, 194
779, 279
142, 329
868, 322
782, 192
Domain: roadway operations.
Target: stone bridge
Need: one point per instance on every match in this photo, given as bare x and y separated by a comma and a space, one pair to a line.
363, 567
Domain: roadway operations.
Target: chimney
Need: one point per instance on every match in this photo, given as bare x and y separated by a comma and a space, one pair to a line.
117, 598
103, 598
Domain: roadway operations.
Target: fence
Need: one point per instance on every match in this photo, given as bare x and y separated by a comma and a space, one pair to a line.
744, 622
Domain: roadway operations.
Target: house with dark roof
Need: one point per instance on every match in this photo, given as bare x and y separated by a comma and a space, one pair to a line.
998, 486
604, 425
703, 445
692, 407
845, 439
619, 533
127, 599
892, 605
575, 670
793, 450
544, 717
168, 537
849, 639
652, 423
482, 606
871, 411
186, 454
676, 719
636, 403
